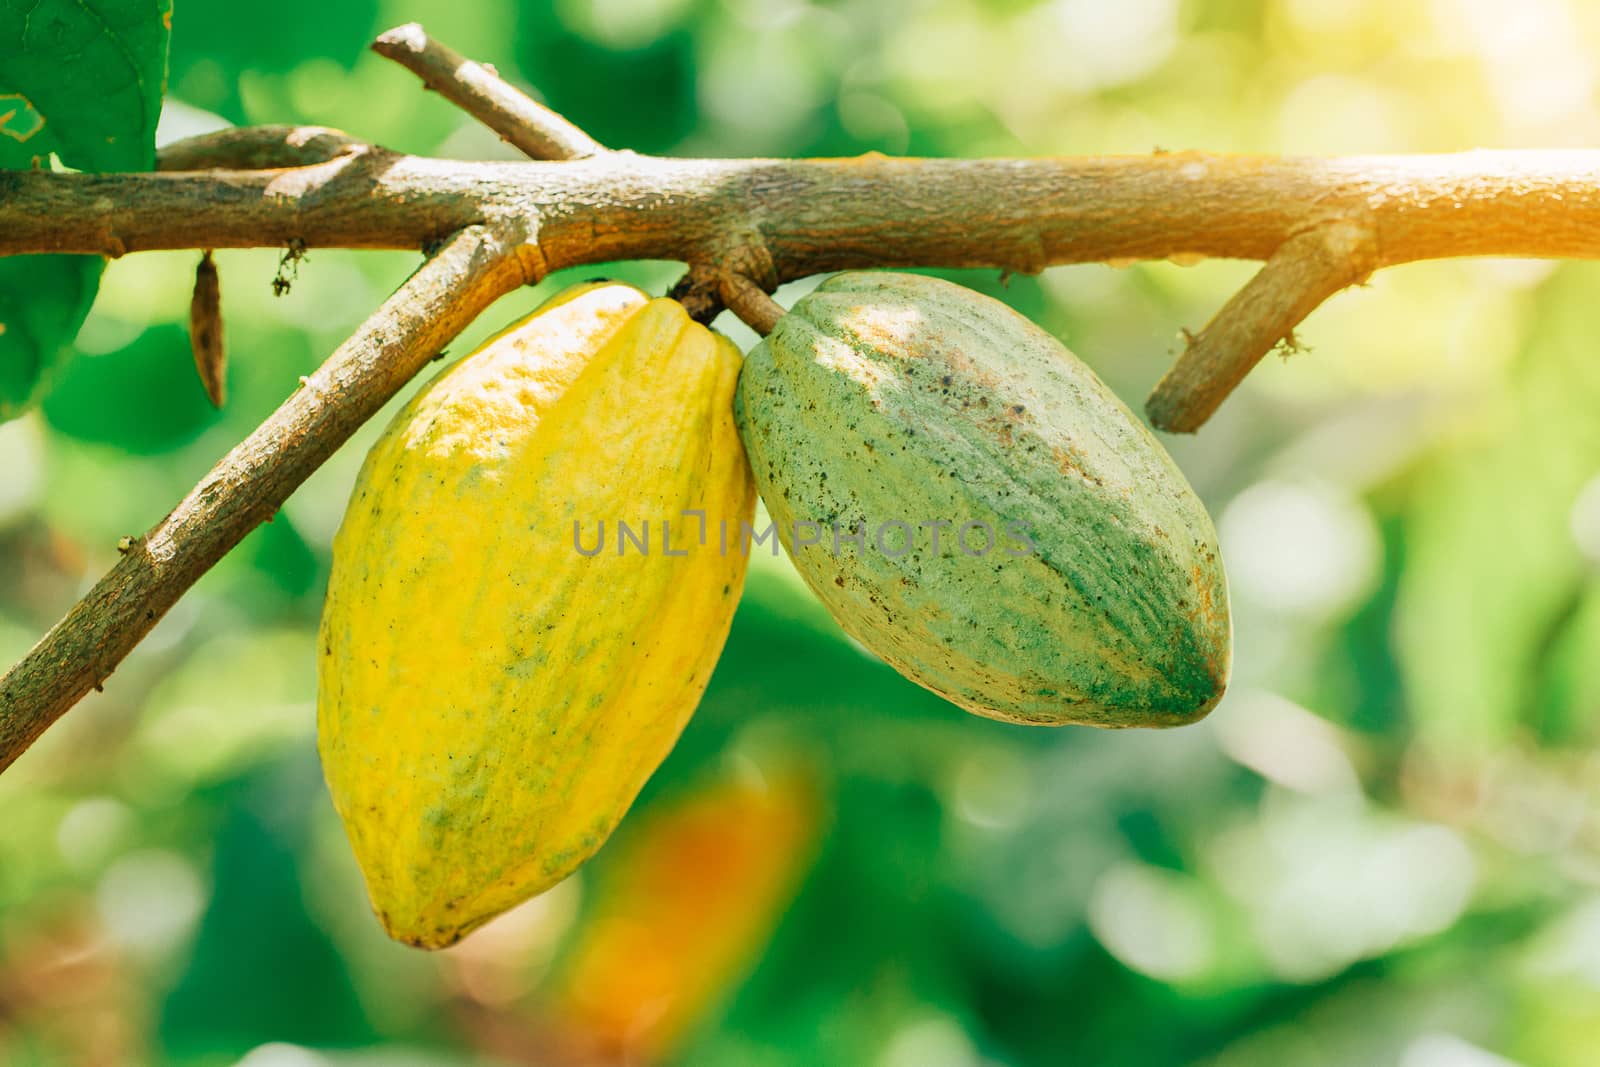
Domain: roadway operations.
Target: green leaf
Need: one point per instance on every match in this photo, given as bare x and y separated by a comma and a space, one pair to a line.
1494, 574
216, 47
93, 400
568, 66
232, 995
81, 79
43, 300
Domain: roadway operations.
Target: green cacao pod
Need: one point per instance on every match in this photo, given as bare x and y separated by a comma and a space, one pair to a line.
493, 688
979, 510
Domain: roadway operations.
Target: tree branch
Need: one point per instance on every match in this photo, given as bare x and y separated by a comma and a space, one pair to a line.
828, 214
754, 306
471, 271
799, 217
780, 219
112, 214
1306, 270
480, 91
257, 148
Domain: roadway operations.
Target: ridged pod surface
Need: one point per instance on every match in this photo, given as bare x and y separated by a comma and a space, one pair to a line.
493, 691
883, 399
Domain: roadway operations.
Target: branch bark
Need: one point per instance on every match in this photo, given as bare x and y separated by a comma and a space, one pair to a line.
257, 148
476, 267
830, 214
480, 91
753, 304
1306, 270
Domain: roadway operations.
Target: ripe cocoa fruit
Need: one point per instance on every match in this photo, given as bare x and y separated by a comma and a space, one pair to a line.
1077, 578
493, 692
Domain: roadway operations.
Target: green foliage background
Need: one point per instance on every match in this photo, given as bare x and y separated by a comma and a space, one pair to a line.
1382, 848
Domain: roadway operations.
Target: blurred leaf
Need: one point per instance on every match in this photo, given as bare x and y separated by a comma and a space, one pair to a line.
262, 970
1359, 683
238, 699
82, 79
281, 554
89, 75
215, 44
1492, 562
144, 398
43, 301
884, 967
1565, 709
685, 901
641, 98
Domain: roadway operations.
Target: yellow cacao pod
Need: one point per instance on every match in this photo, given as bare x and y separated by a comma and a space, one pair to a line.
493, 690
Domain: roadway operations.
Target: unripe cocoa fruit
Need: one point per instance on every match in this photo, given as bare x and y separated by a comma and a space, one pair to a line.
974, 506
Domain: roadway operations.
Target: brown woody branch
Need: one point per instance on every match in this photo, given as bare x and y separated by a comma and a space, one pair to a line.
479, 91
1304, 271
754, 306
828, 214
258, 148
774, 220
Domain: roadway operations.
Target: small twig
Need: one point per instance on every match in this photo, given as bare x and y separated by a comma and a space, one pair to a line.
205, 331
528, 125
700, 293
751, 303
743, 257
258, 148
1306, 270
251, 482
